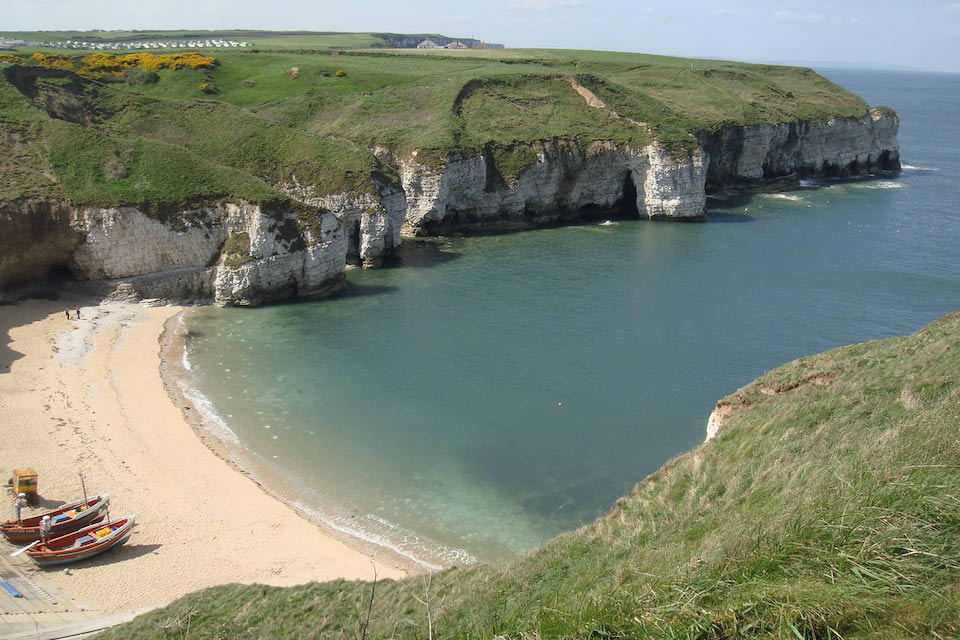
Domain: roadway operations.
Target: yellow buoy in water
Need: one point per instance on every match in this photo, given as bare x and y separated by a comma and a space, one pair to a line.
559, 404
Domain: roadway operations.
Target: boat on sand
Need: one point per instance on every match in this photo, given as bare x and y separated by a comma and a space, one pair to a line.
63, 519
85, 543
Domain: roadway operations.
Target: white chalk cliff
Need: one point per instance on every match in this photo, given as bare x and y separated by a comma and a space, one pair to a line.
179, 255
565, 182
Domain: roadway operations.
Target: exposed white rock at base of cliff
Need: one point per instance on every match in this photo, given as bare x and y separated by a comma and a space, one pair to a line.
122, 241
177, 255
565, 182
285, 260
839, 147
717, 419
568, 181
372, 222
674, 185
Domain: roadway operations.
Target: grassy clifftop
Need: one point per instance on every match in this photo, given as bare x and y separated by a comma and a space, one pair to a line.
97, 143
241, 127
827, 507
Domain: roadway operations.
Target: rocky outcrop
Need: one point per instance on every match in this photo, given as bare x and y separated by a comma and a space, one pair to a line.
285, 259
372, 222
718, 418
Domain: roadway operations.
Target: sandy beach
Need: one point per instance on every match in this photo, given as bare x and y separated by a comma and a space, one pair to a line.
87, 396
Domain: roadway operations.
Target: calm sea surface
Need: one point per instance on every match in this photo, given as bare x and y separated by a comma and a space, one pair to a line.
422, 410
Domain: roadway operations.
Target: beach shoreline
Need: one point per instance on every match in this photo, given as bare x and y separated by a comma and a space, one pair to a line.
94, 396
221, 440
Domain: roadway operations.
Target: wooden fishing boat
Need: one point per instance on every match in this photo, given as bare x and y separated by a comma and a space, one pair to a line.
85, 543
64, 519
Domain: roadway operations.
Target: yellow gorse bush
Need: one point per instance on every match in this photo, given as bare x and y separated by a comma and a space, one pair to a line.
53, 60
108, 63
98, 64
9, 59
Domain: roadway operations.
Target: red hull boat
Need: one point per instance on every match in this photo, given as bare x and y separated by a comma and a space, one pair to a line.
85, 543
64, 519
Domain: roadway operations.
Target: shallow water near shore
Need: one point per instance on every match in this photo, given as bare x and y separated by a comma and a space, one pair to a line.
488, 393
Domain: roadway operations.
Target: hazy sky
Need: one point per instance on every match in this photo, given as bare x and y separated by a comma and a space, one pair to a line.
921, 34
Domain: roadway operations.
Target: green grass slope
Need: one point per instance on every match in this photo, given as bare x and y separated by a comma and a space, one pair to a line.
827, 507
255, 120
101, 144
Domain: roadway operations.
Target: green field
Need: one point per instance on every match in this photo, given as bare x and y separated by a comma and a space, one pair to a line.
256, 120
827, 507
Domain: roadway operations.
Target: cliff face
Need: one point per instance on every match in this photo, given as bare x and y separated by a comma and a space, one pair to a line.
203, 254
183, 254
841, 147
565, 183
372, 224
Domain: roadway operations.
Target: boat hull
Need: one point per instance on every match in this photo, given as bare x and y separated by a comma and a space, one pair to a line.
67, 559
33, 534
83, 544
30, 530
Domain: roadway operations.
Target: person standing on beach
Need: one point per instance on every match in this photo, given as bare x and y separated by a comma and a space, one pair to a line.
19, 503
78, 314
44, 529
68, 313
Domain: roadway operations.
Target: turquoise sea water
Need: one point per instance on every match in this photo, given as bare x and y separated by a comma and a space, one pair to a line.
423, 409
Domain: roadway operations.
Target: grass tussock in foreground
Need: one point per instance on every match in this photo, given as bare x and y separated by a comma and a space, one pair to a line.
827, 507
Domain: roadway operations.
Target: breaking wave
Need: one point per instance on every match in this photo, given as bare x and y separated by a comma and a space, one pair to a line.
784, 196
880, 184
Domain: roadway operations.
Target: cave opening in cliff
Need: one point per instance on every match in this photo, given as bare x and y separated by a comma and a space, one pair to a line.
626, 207
353, 242
59, 274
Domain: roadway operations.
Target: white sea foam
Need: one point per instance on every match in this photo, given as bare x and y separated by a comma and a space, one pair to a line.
880, 184
810, 184
383, 533
910, 167
608, 223
181, 330
784, 196
212, 421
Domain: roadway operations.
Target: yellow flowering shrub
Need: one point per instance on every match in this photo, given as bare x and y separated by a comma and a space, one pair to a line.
340, 73
9, 59
97, 64
153, 62
53, 60
102, 62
